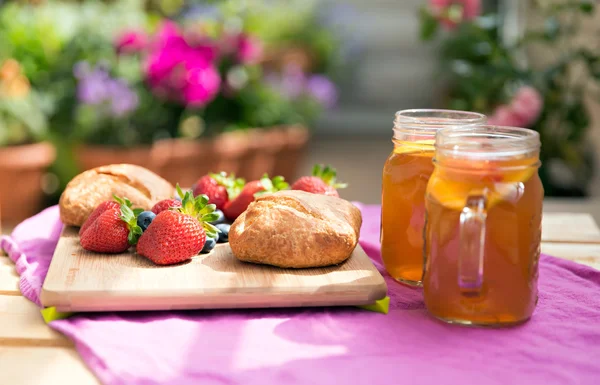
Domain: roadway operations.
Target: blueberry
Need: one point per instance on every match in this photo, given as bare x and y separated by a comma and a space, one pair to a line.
224, 234
221, 218
209, 245
145, 218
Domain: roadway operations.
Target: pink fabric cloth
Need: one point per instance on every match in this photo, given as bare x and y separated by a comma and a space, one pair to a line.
560, 345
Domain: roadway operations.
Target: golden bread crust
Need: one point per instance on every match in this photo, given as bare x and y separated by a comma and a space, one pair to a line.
90, 188
296, 229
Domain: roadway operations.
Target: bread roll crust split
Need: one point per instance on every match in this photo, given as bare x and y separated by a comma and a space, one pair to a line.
90, 188
296, 229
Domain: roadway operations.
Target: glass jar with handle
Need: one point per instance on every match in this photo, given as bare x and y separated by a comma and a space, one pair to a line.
483, 232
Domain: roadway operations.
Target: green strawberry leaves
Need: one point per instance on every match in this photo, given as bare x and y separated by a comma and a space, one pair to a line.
199, 208
233, 185
278, 183
129, 216
328, 174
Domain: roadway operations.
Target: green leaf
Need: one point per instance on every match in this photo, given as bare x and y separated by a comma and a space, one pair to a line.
551, 28
316, 171
210, 217
203, 199
179, 192
119, 200
137, 212
266, 182
211, 231
127, 212
587, 7
207, 209
429, 24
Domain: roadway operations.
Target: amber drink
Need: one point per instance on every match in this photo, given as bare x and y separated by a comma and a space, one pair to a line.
405, 176
483, 232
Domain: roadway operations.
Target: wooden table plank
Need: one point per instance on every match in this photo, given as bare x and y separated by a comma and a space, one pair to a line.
9, 278
21, 324
43, 365
569, 228
586, 254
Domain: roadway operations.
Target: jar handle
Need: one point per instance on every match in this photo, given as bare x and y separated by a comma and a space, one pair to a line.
472, 244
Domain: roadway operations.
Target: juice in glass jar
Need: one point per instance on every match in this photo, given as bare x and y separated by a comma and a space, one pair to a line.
405, 176
483, 232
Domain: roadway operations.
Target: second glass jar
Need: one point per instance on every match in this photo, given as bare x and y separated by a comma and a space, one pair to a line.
405, 176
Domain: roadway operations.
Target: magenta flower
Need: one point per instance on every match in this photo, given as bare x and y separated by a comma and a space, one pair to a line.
249, 49
179, 71
523, 110
453, 12
131, 41
202, 85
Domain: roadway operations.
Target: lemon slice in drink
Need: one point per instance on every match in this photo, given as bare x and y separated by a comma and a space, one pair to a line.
417, 147
497, 187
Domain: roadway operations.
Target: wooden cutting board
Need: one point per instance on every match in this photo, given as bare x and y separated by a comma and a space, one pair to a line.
79, 280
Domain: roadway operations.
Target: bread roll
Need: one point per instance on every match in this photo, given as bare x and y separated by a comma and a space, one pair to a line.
90, 188
296, 229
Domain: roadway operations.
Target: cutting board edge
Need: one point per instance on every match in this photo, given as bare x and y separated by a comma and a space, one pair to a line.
85, 303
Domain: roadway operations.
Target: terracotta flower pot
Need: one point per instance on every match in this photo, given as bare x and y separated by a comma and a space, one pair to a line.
292, 154
263, 147
248, 154
21, 171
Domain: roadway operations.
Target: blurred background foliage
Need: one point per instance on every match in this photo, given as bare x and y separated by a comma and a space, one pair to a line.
487, 64
110, 72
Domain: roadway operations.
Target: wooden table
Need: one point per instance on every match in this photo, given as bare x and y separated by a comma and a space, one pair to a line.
31, 353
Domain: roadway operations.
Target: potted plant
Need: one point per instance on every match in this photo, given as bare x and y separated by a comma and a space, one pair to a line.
182, 92
194, 97
24, 152
486, 67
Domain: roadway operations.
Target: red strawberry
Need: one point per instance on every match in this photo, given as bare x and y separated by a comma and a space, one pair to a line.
322, 181
102, 207
235, 207
165, 204
113, 230
177, 235
218, 187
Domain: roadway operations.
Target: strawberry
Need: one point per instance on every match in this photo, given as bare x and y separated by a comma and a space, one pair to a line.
102, 207
322, 181
165, 204
177, 235
235, 207
113, 230
218, 188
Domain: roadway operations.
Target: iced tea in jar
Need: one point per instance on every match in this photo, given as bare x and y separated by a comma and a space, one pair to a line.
483, 231
405, 176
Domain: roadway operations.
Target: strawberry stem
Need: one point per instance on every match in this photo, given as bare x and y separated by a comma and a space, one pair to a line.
278, 183
198, 207
129, 216
232, 184
328, 174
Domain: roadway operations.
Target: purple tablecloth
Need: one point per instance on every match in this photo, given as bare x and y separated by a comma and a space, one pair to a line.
560, 345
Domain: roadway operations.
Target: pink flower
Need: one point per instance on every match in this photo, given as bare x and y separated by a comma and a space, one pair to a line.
131, 42
179, 71
505, 116
522, 111
527, 104
453, 12
249, 49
